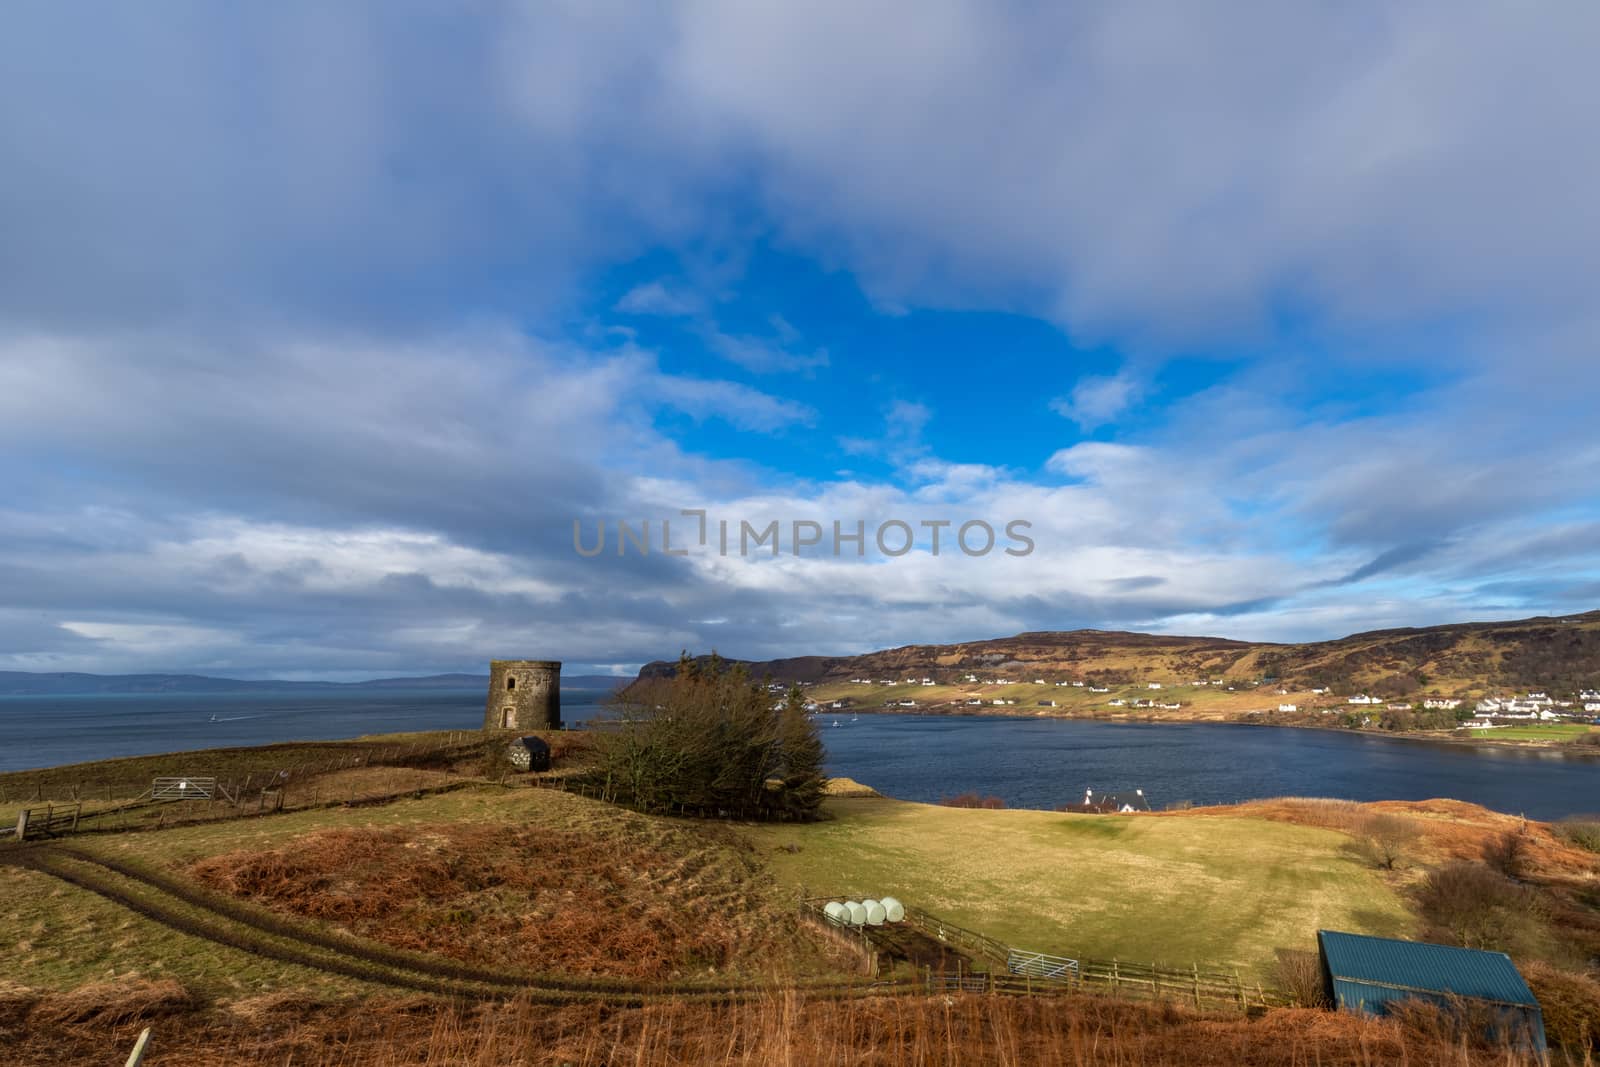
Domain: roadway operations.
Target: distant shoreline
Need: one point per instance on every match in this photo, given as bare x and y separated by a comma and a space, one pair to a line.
1563, 747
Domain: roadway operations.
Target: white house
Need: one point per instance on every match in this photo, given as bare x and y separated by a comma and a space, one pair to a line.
1154, 685
927, 681
1099, 689
970, 703
1591, 705
1320, 691
1288, 707
1363, 699
1441, 704
1589, 694
1038, 681
1118, 703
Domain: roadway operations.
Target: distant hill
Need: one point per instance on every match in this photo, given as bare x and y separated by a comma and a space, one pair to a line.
1556, 653
25, 683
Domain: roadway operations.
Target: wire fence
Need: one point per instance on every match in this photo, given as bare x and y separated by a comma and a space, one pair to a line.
999, 968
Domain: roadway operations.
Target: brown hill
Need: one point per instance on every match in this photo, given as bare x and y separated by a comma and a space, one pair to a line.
1561, 654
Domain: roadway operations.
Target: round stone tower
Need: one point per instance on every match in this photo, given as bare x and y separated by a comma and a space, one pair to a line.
524, 694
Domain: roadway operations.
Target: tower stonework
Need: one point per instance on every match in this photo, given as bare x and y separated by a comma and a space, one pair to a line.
524, 694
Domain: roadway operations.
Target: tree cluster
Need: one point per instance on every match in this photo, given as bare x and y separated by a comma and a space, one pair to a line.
708, 742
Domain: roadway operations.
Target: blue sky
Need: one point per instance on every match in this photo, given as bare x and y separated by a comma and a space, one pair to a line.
321, 326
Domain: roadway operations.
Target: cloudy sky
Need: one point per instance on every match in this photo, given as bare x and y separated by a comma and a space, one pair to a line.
322, 324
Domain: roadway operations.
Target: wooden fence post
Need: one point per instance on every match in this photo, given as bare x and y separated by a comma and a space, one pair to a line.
1196, 985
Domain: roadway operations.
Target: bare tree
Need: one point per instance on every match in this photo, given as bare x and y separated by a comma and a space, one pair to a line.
1387, 840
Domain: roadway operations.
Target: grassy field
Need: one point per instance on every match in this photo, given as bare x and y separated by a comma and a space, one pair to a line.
59, 937
1170, 889
1552, 731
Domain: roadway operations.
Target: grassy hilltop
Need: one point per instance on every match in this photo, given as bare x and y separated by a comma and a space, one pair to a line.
1463, 659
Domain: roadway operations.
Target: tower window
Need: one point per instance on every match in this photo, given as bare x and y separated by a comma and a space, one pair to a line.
511, 683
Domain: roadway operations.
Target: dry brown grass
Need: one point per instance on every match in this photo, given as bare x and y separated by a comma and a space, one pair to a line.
534, 899
779, 1029
1447, 830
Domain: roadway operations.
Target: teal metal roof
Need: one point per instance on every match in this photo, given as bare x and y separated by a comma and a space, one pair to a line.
1367, 967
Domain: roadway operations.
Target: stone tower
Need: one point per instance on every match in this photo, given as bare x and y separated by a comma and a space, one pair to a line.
524, 694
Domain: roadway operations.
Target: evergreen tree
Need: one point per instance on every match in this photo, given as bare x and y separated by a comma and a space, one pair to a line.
804, 784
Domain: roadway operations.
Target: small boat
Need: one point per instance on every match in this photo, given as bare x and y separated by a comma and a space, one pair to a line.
855, 718
836, 722
215, 719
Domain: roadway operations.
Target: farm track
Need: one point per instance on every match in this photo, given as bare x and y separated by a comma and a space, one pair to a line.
199, 914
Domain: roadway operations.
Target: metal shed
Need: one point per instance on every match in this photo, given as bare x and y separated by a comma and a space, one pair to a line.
1368, 974
530, 754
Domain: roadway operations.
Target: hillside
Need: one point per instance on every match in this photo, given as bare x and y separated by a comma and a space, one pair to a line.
1560, 654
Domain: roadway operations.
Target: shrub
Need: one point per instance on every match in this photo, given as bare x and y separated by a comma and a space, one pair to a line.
1468, 904
1508, 852
1580, 830
1387, 840
972, 800
1299, 974
1571, 1005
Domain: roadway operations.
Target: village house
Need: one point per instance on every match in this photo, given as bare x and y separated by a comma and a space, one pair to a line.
1153, 685
1288, 707
1047, 703
1363, 699
1320, 691
1119, 702
1441, 704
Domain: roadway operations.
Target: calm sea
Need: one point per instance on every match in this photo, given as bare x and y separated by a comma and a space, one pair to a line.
1036, 763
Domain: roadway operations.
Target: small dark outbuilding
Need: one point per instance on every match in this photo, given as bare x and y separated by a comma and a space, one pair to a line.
1368, 974
530, 754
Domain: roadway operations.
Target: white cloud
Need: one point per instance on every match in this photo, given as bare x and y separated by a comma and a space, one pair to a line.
658, 298
1094, 402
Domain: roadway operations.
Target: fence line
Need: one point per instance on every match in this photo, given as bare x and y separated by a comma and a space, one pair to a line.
1018, 971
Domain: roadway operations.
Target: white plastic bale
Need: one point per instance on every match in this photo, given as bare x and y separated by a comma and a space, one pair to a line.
858, 914
837, 912
893, 910
875, 912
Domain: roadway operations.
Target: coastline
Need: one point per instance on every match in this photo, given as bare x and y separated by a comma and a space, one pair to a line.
1564, 748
